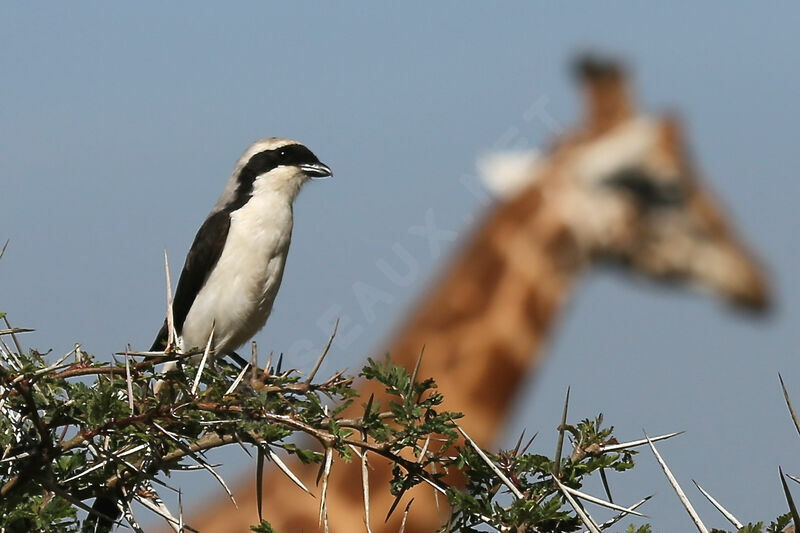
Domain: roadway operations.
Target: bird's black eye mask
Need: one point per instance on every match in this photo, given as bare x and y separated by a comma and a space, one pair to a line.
262, 162
646, 190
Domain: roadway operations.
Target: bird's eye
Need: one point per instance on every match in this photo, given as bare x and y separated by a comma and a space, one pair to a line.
283, 153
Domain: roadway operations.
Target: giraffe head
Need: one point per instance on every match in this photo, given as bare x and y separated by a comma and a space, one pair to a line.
626, 189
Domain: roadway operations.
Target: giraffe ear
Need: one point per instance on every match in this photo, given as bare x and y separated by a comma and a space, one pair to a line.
507, 173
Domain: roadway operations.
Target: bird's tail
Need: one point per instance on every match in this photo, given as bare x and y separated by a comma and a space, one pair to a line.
160, 344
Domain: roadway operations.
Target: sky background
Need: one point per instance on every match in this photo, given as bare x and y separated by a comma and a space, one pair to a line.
120, 125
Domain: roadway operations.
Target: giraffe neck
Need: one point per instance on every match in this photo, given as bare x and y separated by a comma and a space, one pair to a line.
493, 309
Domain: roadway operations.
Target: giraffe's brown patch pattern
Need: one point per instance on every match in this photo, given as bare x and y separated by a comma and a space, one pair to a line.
480, 271
537, 310
562, 247
476, 274
516, 213
506, 371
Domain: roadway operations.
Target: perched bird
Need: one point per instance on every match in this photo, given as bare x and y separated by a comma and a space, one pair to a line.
234, 268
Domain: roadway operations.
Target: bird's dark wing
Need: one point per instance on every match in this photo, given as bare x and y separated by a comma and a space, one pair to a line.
161, 340
203, 255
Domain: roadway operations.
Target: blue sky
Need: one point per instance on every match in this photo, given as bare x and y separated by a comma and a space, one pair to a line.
120, 125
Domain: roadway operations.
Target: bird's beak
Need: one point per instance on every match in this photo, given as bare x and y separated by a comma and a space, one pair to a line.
316, 170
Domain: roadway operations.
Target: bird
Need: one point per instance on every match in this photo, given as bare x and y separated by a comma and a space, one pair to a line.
235, 265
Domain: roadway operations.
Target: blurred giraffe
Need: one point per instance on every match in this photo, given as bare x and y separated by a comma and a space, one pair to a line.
619, 188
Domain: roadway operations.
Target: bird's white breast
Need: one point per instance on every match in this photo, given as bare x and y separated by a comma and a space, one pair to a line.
238, 295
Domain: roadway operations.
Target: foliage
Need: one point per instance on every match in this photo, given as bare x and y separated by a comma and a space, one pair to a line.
542, 507
81, 440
